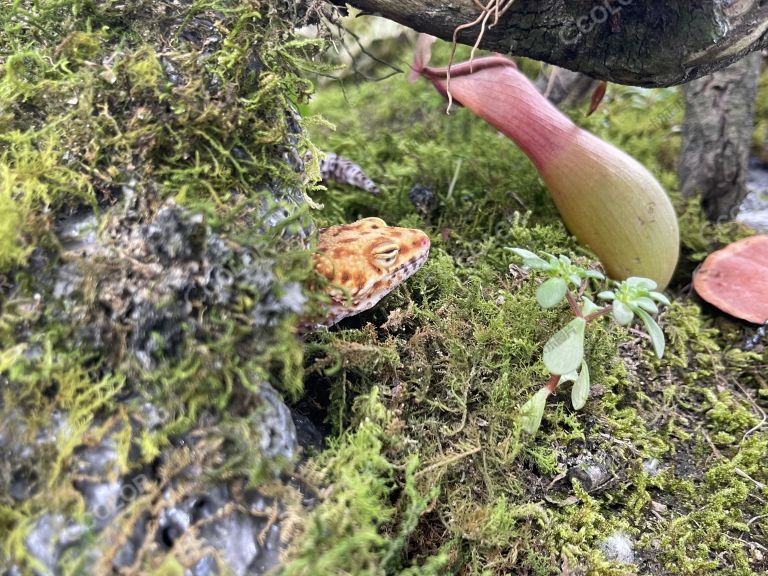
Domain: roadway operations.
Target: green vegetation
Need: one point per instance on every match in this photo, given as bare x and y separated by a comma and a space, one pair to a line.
158, 343
426, 469
563, 353
456, 352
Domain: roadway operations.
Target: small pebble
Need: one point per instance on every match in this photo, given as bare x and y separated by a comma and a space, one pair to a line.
618, 547
651, 467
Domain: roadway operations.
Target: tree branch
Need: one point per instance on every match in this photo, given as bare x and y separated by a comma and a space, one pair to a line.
627, 41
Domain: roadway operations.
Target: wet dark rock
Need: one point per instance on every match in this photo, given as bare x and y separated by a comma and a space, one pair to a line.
173, 522
101, 500
170, 269
51, 535
23, 483
423, 199
277, 430
126, 554
20, 459
173, 236
96, 472
159, 332
152, 416
273, 305
249, 543
206, 566
41, 542
592, 470
171, 71
308, 436
244, 527
590, 475
96, 460
78, 233
69, 279
236, 537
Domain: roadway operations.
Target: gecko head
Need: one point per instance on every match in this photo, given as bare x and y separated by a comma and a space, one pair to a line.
366, 260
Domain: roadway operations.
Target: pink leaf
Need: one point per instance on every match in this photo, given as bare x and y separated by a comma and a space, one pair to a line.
421, 55
735, 279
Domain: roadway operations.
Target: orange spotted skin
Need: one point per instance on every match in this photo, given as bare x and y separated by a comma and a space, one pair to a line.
366, 260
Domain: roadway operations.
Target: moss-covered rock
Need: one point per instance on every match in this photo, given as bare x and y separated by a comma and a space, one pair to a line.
153, 256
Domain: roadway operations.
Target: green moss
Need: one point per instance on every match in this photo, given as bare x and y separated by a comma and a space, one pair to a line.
81, 46
703, 538
144, 72
345, 533
116, 108
11, 217
456, 351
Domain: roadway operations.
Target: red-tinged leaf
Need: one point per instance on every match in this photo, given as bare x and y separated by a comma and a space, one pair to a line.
735, 279
597, 97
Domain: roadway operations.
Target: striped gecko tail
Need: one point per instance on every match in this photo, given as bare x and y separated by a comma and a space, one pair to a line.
344, 171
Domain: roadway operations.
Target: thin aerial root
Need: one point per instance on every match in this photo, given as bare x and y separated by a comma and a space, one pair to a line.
495, 7
479, 37
500, 13
453, 49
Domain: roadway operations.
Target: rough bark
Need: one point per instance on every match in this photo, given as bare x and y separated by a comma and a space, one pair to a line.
625, 41
717, 131
764, 154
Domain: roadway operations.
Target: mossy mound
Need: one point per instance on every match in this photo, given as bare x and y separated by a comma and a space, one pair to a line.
667, 458
153, 252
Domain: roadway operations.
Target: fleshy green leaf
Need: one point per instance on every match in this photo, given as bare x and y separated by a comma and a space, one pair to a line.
643, 283
594, 274
530, 259
607, 295
659, 297
570, 377
622, 313
523, 253
551, 292
657, 336
533, 410
588, 306
553, 261
580, 390
564, 351
647, 304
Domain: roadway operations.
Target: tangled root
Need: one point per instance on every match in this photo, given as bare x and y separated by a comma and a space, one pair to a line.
496, 7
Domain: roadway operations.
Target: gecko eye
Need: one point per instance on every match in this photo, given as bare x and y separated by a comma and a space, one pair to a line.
386, 254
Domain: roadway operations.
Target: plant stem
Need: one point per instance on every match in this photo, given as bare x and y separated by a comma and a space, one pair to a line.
598, 313
554, 380
573, 304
